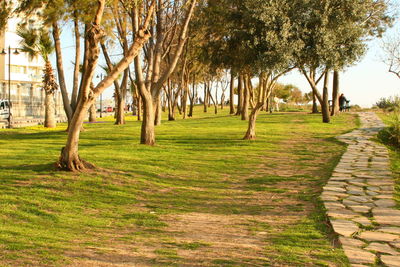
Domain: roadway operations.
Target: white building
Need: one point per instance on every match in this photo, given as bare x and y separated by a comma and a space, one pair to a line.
27, 97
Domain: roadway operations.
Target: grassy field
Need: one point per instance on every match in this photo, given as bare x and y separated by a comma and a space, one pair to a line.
200, 197
394, 153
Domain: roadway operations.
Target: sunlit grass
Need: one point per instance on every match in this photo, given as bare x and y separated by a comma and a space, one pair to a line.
198, 165
394, 152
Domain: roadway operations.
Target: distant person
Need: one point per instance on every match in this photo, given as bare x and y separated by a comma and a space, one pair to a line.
342, 102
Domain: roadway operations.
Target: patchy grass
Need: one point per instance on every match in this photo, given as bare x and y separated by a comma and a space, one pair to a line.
201, 196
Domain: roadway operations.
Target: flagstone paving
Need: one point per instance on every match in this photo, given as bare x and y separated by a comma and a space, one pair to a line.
359, 199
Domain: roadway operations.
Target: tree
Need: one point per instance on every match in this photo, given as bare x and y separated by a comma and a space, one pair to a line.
282, 91
333, 34
5, 11
37, 42
52, 13
391, 49
151, 85
296, 95
69, 158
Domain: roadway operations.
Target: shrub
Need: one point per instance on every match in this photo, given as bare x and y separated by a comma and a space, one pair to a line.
356, 108
391, 135
389, 104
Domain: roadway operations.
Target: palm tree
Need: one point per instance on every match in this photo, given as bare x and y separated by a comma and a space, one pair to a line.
37, 42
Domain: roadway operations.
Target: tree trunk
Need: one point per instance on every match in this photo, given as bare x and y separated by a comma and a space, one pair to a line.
120, 110
60, 72
315, 105
232, 95
74, 96
216, 100
193, 97
246, 99
69, 158
171, 104
139, 108
205, 98
212, 99
92, 113
158, 111
171, 112
185, 99
148, 136
251, 129
335, 94
240, 94
50, 114
191, 109
325, 103
163, 104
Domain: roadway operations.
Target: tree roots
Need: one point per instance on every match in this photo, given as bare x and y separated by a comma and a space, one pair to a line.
73, 163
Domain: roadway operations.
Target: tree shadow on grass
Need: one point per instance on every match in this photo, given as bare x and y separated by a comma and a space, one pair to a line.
37, 168
31, 136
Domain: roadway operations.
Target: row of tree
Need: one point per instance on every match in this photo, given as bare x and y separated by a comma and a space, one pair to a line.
170, 47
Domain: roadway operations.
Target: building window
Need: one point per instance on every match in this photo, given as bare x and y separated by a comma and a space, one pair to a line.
18, 69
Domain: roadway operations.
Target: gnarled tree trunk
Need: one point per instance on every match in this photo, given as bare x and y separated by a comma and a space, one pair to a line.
69, 158
251, 129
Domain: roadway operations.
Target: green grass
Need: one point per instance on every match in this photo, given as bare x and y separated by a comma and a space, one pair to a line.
394, 153
199, 166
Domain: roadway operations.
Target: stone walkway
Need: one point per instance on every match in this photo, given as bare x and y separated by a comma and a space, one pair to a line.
359, 199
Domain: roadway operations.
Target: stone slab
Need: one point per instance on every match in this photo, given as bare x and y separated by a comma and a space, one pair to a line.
357, 255
395, 244
382, 248
360, 199
334, 189
385, 203
360, 208
344, 227
342, 214
329, 198
386, 216
352, 242
378, 236
391, 261
333, 205
390, 230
